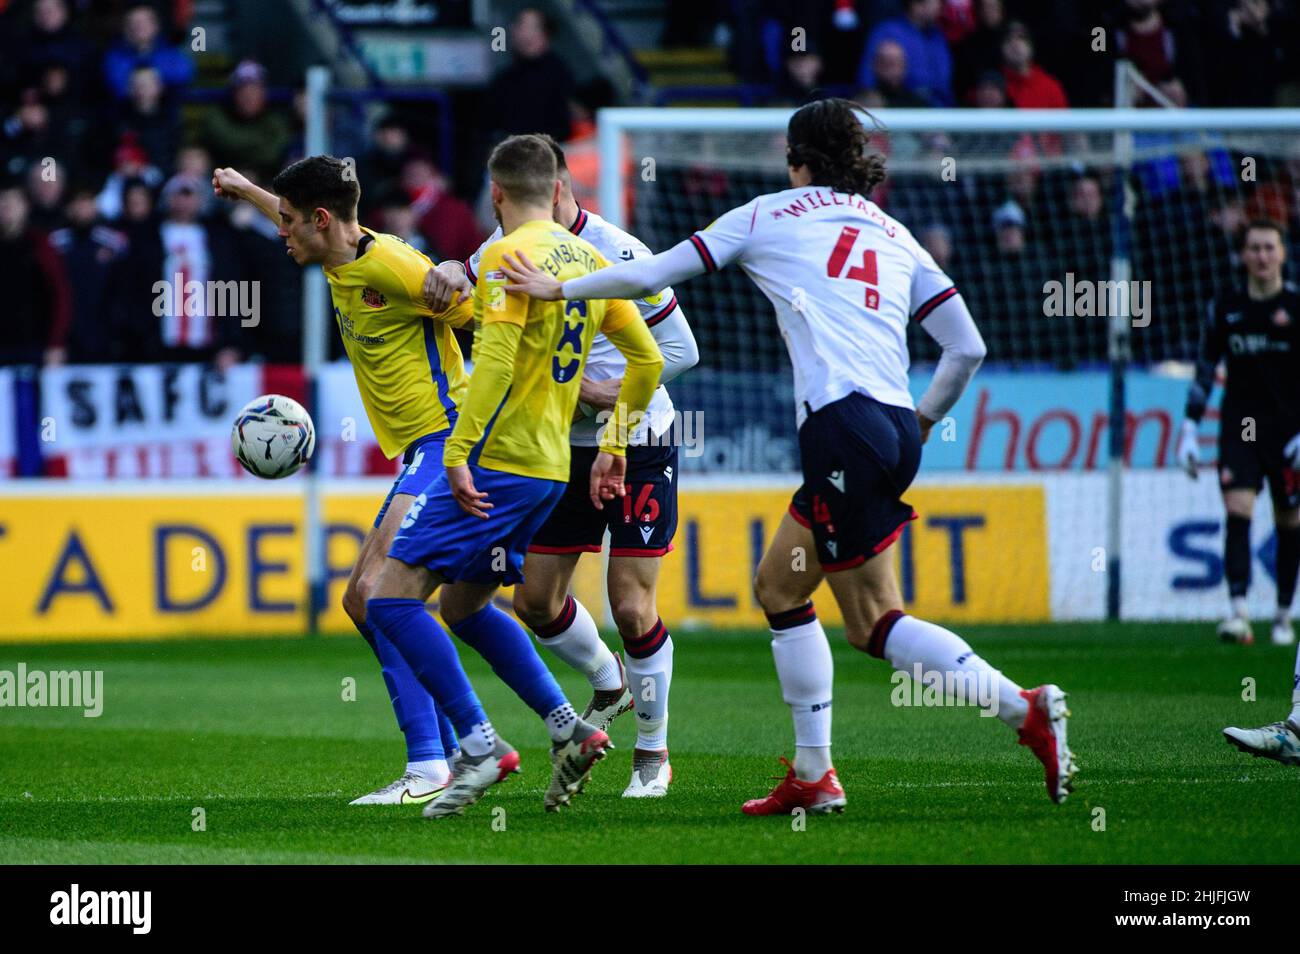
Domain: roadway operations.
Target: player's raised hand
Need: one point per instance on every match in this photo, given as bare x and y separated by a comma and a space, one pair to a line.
527, 278
1189, 450
229, 184
442, 283
607, 474
471, 500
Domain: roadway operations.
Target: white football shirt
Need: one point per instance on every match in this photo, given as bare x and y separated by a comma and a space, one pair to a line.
605, 361
844, 278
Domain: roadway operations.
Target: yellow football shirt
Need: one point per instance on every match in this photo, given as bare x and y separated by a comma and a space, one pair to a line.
407, 363
527, 432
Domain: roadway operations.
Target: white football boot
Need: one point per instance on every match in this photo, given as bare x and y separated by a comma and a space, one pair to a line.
474, 775
1236, 629
651, 775
410, 789
1283, 634
1279, 741
606, 705
572, 760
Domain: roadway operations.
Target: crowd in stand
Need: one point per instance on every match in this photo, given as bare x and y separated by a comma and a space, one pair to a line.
994, 53
104, 169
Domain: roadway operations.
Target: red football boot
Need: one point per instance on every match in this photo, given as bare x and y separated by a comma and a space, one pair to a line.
824, 795
1044, 732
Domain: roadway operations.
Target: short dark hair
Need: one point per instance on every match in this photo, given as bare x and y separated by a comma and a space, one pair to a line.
828, 137
1262, 222
561, 164
320, 182
525, 168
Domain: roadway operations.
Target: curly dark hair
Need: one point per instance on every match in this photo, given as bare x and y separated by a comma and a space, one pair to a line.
829, 137
320, 182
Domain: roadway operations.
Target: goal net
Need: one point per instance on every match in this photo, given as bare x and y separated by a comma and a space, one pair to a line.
1087, 244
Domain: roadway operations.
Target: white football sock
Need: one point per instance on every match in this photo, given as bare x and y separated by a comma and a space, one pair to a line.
560, 723
481, 740
649, 679
579, 644
1239, 607
1283, 616
807, 676
937, 650
435, 771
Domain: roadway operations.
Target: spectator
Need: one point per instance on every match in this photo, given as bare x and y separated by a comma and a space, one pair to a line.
195, 251
981, 50
1029, 86
889, 69
53, 40
929, 63
26, 136
245, 132
149, 117
532, 93
801, 77
396, 216
36, 319
45, 186
142, 44
1254, 55
1166, 55
1009, 295
72, 123
1081, 238
130, 295
129, 163
91, 252
446, 222
380, 168
989, 91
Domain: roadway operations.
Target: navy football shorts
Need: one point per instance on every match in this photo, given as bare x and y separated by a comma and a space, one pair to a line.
858, 458
641, 524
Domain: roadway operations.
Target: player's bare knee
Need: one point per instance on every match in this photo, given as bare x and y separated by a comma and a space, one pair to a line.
776, 593
535, 609
859, 637
633, 614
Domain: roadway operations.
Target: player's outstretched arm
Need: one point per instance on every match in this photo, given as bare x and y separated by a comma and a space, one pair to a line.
627, 332
635, 279
951, 325
234, 185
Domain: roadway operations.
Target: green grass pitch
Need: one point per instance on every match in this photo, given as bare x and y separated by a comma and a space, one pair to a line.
257, 734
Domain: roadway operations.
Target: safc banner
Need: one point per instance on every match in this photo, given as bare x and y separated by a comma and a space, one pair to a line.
105, 422
165, 560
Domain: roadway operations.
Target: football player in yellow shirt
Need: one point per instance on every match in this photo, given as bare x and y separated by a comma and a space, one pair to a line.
411, 376
507, 463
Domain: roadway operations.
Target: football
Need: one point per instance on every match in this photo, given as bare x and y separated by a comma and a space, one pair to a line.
273, 436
